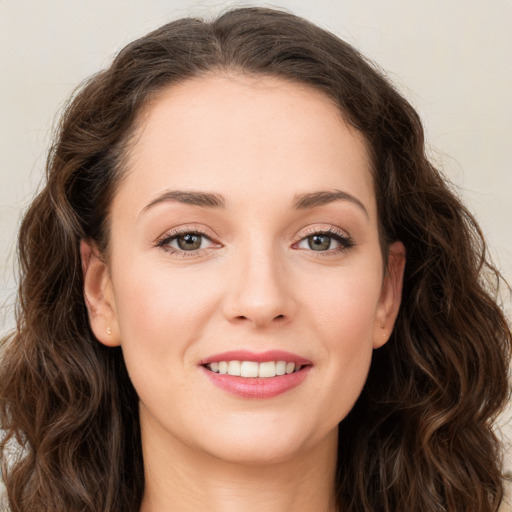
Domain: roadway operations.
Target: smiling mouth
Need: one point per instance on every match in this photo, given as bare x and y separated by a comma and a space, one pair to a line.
253, 369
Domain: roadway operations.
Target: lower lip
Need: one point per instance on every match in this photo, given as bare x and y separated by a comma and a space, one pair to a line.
254, 387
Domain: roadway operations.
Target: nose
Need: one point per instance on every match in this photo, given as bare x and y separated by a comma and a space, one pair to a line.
258, 291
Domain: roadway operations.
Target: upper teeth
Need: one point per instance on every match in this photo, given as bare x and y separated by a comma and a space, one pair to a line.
253, 369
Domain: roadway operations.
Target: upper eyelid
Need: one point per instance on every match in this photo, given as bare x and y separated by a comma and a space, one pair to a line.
328, 229
184, 229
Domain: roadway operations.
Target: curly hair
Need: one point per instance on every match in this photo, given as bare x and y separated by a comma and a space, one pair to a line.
420, 436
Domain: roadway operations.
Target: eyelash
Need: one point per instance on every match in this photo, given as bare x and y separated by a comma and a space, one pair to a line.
342, 238
173, 235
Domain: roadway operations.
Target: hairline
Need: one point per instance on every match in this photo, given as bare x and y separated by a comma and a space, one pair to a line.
128, 141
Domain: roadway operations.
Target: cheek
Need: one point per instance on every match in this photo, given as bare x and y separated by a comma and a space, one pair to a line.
343, 316
343, 305
161, 312
161, 315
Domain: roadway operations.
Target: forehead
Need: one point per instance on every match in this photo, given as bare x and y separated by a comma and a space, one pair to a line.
247, 135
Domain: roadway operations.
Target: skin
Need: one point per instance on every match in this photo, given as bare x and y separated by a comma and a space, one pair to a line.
253, 284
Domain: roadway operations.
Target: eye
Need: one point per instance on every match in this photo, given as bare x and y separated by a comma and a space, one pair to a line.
189, 241
319, 242
186, 241
326, 241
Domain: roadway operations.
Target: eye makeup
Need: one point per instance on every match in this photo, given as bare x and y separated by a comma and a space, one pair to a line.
324, 242
187, 241
190, 241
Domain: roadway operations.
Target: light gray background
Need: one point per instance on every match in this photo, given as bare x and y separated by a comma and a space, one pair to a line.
451, 59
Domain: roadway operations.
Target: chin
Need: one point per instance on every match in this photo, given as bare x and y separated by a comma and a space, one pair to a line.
265, 444
252, 454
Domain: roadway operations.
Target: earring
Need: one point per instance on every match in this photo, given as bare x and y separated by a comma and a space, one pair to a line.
109, 331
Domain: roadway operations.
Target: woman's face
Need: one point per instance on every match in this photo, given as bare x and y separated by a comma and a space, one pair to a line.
244, 229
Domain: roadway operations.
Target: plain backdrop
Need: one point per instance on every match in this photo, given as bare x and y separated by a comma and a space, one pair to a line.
450, 58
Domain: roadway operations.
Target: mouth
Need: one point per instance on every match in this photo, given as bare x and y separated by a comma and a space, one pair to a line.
256, 375
253, 369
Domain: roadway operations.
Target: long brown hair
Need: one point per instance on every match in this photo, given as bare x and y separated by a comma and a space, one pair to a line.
419, 438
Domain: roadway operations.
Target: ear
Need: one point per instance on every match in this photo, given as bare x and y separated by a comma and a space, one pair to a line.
391, 295
99, 297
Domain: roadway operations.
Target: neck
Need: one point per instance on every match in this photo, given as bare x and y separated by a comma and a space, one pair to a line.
180, 478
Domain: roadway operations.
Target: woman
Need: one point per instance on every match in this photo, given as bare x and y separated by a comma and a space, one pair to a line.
245, 287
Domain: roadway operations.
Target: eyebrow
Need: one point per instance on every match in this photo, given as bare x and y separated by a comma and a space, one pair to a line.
210, 200
315, 199
204, 199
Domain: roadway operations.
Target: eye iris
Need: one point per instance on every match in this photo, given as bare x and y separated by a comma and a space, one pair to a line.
189, 242
319, 242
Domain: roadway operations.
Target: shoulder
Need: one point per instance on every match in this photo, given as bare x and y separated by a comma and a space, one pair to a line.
3, 499
506, 506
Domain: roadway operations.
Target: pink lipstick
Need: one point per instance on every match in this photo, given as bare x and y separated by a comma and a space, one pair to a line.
256, 374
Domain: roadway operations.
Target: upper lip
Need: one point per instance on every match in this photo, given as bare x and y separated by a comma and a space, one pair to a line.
258, 357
